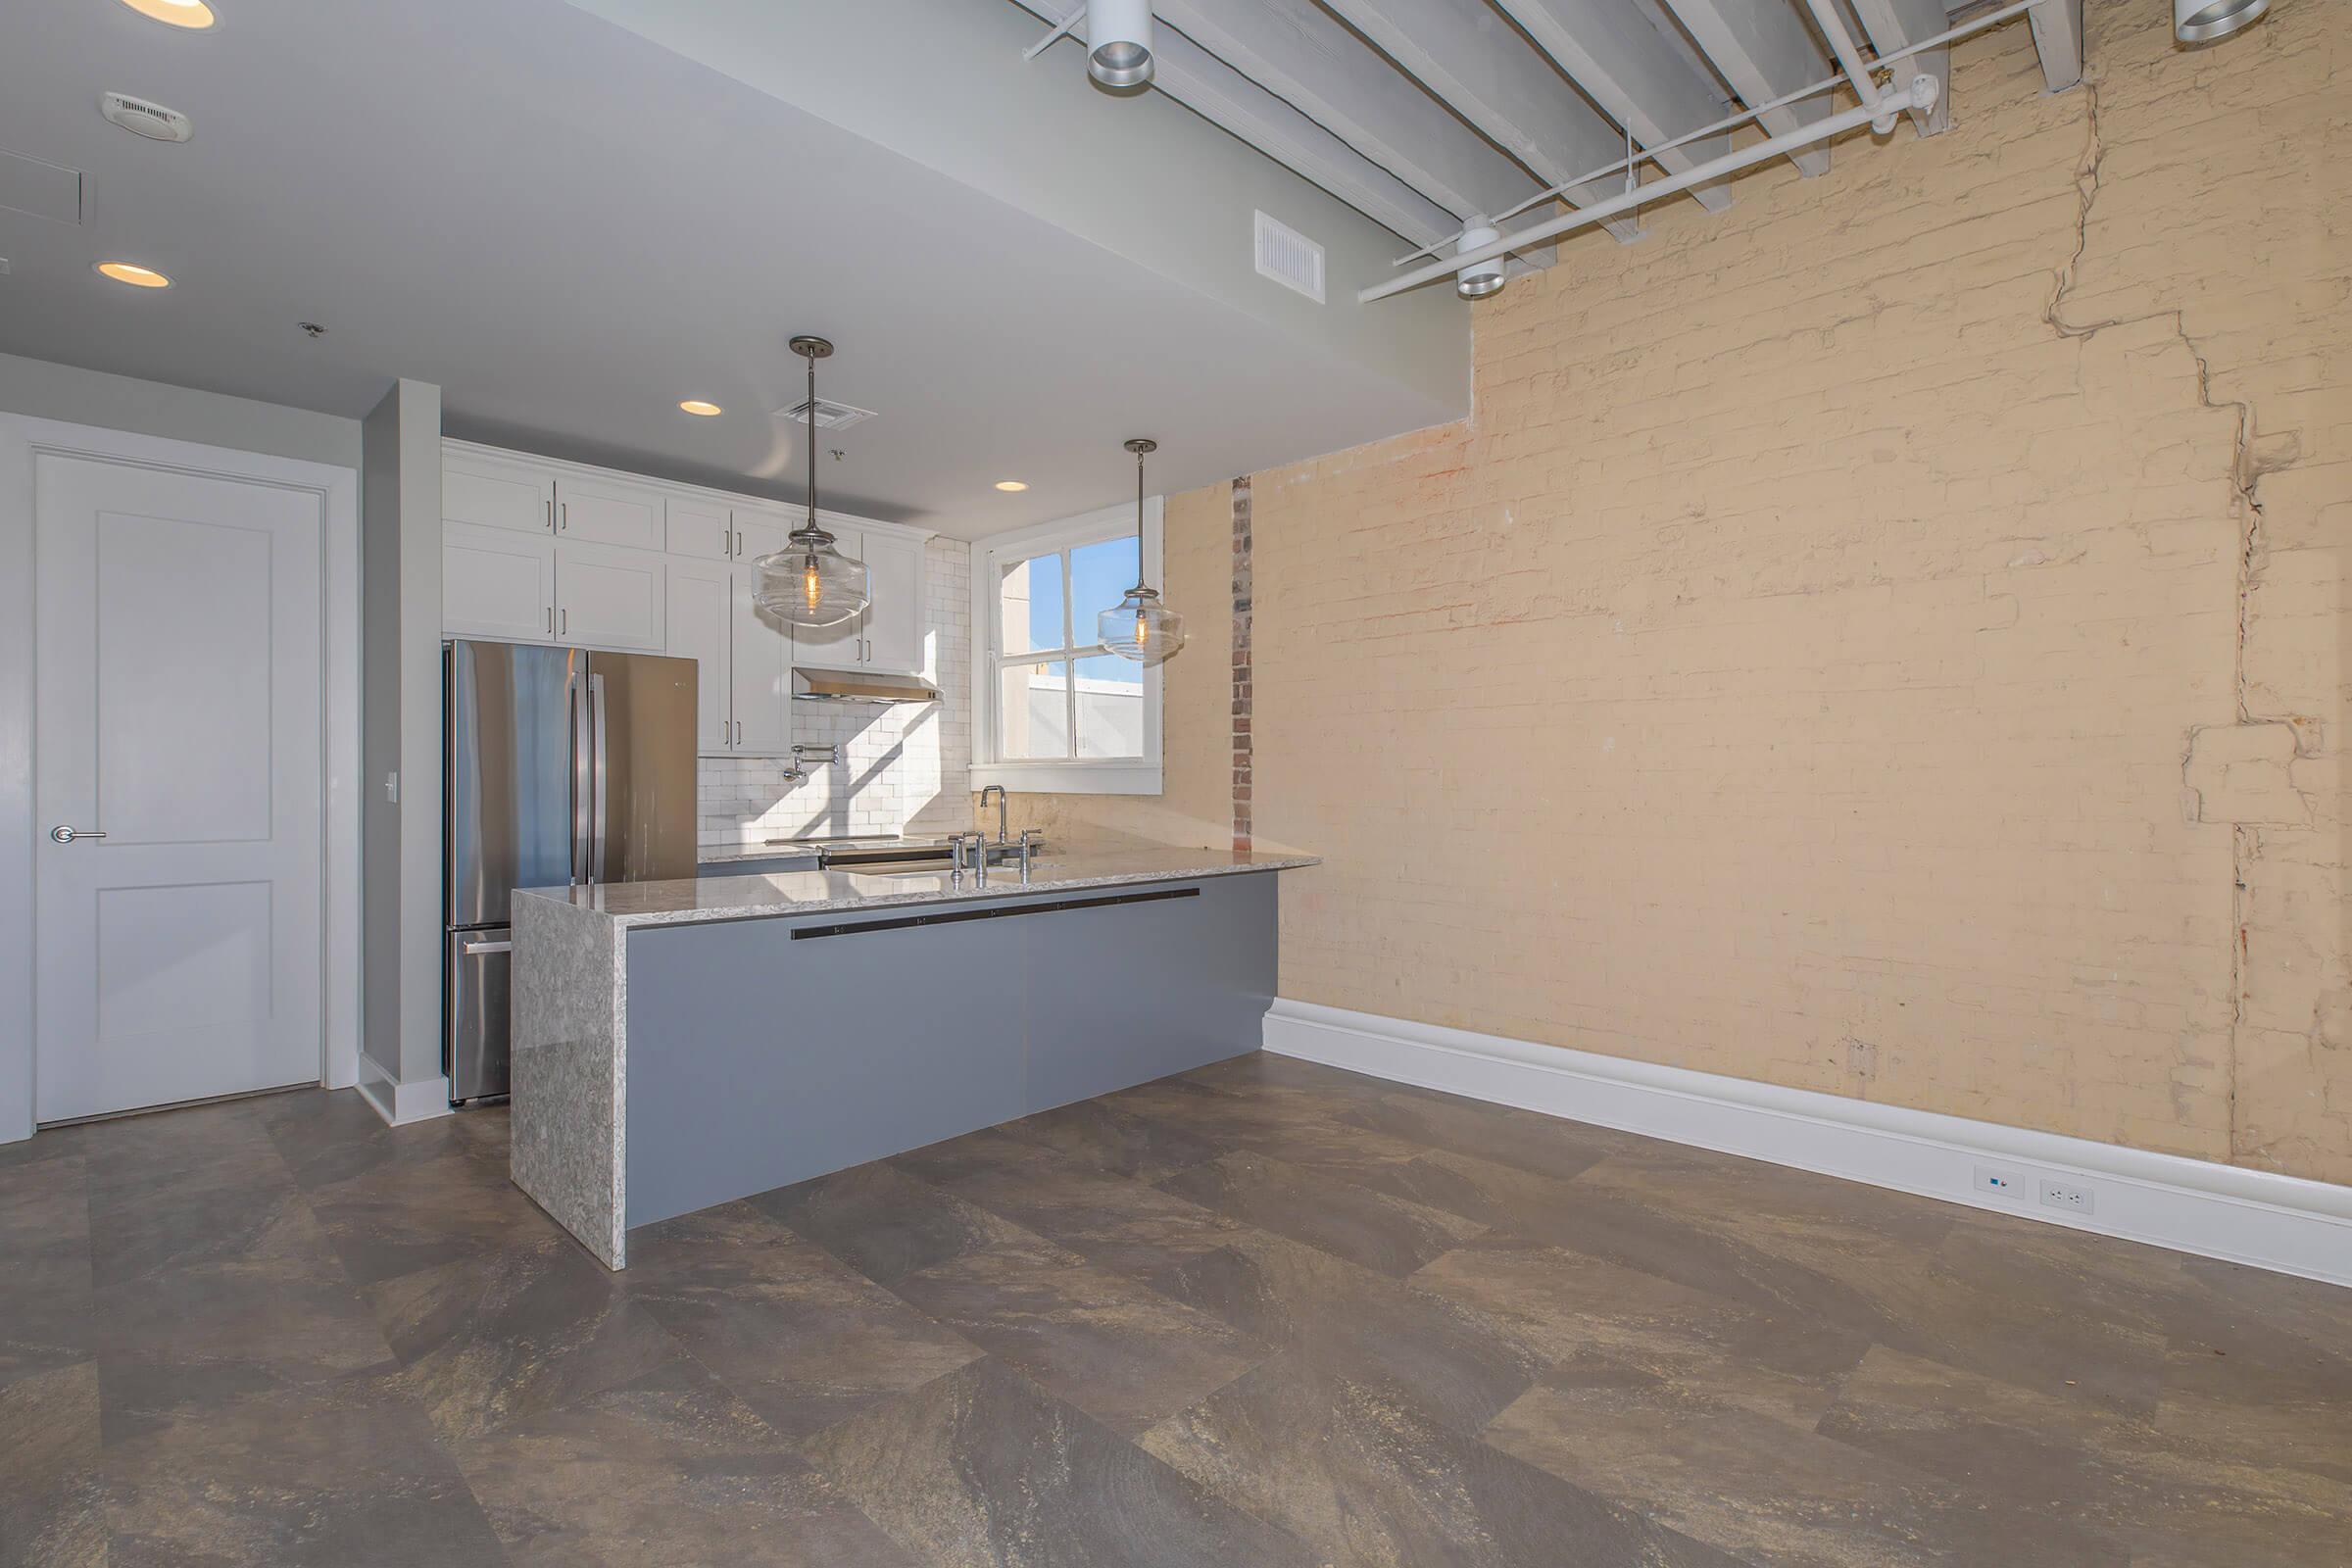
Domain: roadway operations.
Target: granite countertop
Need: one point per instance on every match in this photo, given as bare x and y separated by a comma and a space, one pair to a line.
687, 900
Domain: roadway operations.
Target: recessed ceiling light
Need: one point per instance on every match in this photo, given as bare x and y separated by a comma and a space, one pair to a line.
1011, 485
136, 275
191, 14
702, 407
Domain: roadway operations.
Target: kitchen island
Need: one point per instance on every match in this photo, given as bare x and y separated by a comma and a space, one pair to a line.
681, 1044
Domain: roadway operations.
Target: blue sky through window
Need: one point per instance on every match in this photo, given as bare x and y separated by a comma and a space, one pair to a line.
1100, 577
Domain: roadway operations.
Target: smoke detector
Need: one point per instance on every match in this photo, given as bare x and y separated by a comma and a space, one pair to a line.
828, 415
143, 117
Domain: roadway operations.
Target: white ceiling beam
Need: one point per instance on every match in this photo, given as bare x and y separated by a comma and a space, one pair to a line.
1299, 53
1466, 54
1608, 48
2058, 33
1899, 24
1764, 52
1232, 102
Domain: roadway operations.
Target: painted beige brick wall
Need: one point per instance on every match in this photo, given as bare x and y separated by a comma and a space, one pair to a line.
1893, 638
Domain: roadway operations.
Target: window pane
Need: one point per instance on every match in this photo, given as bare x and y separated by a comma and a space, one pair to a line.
1029, 603
1100, 577
1033, 709
1110, 707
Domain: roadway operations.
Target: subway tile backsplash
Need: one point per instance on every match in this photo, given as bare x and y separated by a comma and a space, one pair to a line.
903, 769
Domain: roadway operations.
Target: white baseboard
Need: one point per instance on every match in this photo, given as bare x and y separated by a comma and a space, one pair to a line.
2190, 1205
401, 1104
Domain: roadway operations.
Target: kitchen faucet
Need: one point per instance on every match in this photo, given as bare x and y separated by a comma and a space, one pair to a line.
997, 790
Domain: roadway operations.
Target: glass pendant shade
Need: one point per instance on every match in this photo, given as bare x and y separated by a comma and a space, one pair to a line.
811, 583
1140, 628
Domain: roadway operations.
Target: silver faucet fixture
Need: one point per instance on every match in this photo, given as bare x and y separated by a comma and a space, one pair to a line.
997, 790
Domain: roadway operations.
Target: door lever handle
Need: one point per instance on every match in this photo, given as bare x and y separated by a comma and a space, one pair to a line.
67, 835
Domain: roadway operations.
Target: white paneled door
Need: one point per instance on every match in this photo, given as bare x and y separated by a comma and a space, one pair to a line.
179, 715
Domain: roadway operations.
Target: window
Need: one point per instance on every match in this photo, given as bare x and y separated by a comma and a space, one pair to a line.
1055, 711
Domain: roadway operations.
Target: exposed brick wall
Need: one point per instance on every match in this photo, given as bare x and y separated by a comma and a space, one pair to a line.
1243, 588
1890, 638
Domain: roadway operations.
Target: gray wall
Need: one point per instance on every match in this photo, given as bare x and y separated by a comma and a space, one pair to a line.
399, 585
61, 392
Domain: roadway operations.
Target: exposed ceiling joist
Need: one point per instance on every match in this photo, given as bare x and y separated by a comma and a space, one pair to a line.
2058, 35
1231, 101
1303, 55
1636, 78
1897, 24
1471, 58
1764, 51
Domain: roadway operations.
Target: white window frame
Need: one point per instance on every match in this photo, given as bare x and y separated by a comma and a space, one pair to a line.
1110, 775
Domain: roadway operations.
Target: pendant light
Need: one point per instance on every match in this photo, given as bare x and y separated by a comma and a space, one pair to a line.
809, 582
1139, 626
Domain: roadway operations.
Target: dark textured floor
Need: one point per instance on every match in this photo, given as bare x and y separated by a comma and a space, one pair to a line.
1267, 1314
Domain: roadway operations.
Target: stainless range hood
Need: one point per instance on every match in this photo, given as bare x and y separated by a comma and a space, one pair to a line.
858, 686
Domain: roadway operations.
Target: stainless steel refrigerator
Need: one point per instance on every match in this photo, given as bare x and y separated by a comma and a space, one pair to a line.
563, 766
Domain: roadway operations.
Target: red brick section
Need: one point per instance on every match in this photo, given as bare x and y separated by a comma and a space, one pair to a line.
1241, 589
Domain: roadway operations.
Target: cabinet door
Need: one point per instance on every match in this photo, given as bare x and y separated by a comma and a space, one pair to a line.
762, 675
497, 493
759, 532
609, 512
894, 623
607, 598
496, 583
840, 646
697, 604
702, 529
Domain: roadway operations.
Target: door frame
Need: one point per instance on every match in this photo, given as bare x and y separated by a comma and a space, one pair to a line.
23, 439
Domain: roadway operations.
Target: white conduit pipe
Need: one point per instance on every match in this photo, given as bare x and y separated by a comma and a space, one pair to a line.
1919, 93
1842, 44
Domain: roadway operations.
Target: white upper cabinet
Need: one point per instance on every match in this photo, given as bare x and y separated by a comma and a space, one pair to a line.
496, 583
703, 530
894, 622
699, 621
760, 532
492, 492
598, 511
538, 550
612, 597
762, 677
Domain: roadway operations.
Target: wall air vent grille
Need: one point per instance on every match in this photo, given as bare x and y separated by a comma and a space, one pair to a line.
830, 415
143, 117
1290, 257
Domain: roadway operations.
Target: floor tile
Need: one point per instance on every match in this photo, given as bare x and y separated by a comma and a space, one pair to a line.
488, 1339
1386, 1233
1291, 1124
1364, 1477
1764, 1491
668, 1471
1096, 1135
2162, 1494
1525, 1140
1114, 1347
423, 1213
344, 1474
982, 1469
49, 1444
883, 1222
801, 1336
46, 1278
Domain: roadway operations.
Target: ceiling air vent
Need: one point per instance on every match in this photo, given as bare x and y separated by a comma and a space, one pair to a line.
830, 415
1290, 257
143, 117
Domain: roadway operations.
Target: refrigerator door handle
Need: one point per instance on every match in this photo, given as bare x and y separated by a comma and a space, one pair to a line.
597, 778
580, 782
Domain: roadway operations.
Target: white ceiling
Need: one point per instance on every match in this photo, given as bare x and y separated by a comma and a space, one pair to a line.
570, 227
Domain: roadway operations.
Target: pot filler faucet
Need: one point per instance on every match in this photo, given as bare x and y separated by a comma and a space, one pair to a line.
997, 790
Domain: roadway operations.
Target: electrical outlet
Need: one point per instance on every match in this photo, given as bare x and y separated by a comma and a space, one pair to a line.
2059, 1195
1999, 1183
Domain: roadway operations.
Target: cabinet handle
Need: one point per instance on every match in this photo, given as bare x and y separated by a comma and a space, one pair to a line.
566, 525
735, 549
550, 508
551, 620
566, 621
739, 733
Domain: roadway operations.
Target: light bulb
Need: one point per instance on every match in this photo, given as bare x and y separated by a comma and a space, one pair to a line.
1143, 628
809, 583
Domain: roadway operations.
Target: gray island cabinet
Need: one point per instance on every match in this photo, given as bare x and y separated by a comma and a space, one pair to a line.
683, 1044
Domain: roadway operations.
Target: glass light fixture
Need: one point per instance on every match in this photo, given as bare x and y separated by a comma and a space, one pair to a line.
1139, 626
809, 582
